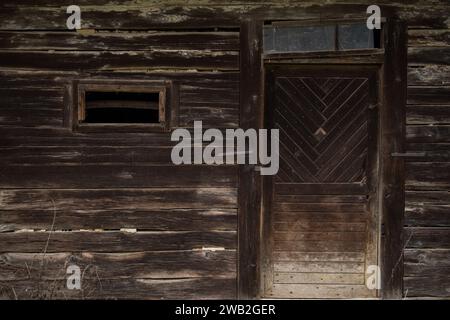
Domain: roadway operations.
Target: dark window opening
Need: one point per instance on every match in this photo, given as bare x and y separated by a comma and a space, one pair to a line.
122, 107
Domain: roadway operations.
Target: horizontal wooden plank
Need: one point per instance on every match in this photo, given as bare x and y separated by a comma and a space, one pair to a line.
313, 246
152, 220
142, 265
318, 256
319, 278
319, 207
423, 238
112, 60
323, 226
85, 155
319, 291
47, 79
318, 189
320, 266
118, 199
132, 41
319, 199
310, 235
429, 134
434, 152
113, 176
429, 75
193, 288
433, 38
427, 174
130, 17
427, 215
429, 55
426, 262
428, 114
44, 136
211, 117
115, 241
435, 286
428, 95
427, 197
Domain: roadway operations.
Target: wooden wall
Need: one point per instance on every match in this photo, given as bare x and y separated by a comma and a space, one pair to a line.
70, 197
112, 202
427, 214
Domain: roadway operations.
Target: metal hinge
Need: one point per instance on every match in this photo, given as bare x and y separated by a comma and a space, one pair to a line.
408, 154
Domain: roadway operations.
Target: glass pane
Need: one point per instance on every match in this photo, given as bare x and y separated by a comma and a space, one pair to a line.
355, 36
298, 39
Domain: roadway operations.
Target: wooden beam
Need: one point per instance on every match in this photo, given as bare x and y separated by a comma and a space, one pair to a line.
392, 190
249, 180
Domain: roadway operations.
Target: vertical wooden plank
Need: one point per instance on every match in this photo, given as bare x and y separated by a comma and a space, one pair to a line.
249, 180
392, 201
174, 105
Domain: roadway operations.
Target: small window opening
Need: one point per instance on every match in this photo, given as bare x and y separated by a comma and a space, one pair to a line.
122, 107
136, 105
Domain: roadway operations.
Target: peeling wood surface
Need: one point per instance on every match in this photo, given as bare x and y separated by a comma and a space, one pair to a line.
195, 44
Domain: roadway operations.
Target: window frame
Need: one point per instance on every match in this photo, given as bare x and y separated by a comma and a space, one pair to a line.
163, 87
319, 23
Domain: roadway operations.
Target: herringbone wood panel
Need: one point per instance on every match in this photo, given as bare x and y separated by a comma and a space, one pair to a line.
323, 128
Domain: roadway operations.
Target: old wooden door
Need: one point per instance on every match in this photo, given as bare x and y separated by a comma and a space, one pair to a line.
321, 231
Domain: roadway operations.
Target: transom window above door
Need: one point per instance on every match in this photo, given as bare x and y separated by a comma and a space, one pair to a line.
282, 37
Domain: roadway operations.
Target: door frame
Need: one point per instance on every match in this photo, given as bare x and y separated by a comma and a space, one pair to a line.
392, 61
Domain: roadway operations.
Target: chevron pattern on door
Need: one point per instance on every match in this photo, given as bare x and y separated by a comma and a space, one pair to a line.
323, 128
322, 222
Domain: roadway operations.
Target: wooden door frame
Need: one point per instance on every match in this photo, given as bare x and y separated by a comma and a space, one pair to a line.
393, 88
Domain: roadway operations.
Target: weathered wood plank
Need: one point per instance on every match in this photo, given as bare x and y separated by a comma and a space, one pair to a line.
429, 75
435, 286
85, 155
426, 38
118, 199
211, 117
193, 288
427, 197
429, 55
132, 41
113, 176
426, 262
320, 207
113, 60
434, 152
428, 114
250, 182
114, 241
319, 189
323, 291
427, 215
318, 278
314, 246
428, 95
142, 265
428, 174
427, 134
332, 267
313, 235
392, 139
139, 219
319, 256
311, 225
431, 238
